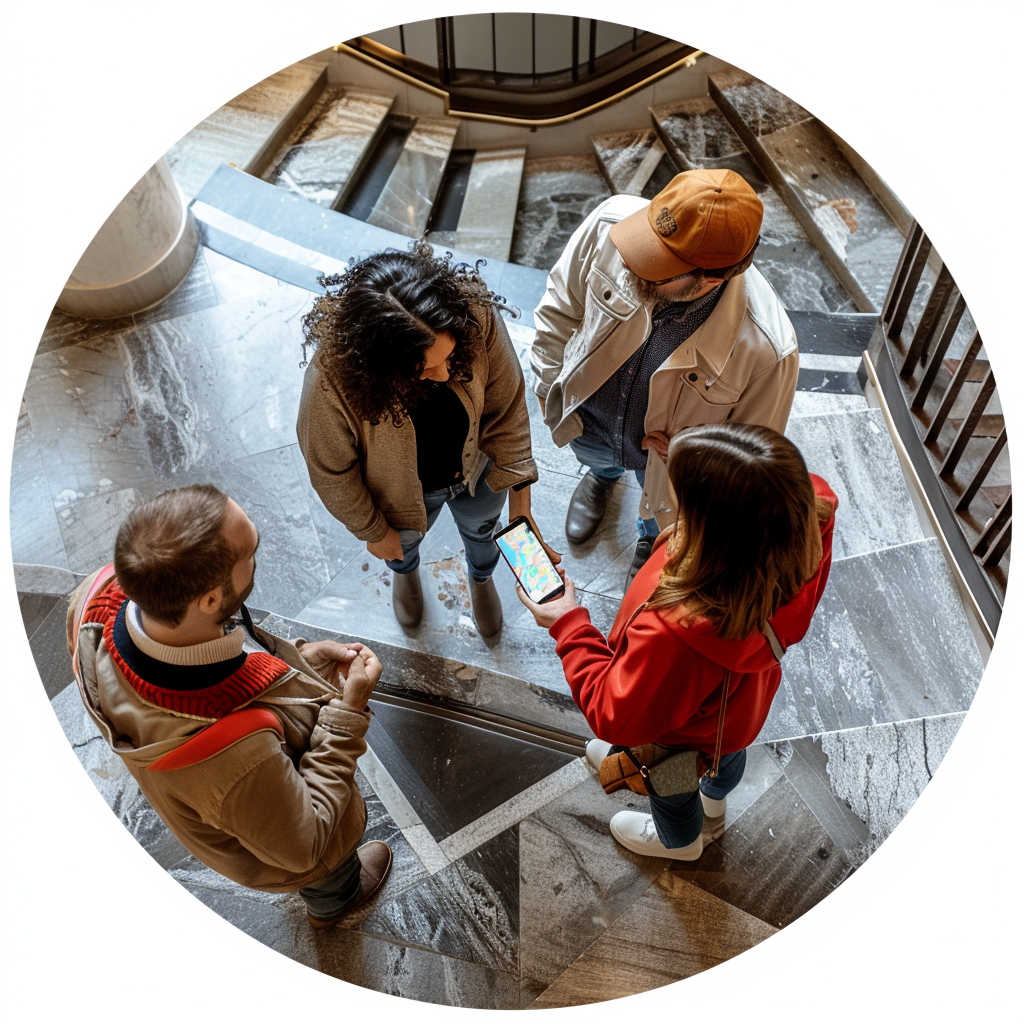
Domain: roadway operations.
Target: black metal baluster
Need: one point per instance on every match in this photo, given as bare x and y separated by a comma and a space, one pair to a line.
983, 471
954, 313
953, 389
966, 431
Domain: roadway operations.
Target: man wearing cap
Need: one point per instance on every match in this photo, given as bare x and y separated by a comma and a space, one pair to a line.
654, 320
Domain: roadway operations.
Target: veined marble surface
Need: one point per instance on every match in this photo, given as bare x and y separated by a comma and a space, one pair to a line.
321, 162
702, 137
404, 205
235, 132
634, 162
557, 193
488, 217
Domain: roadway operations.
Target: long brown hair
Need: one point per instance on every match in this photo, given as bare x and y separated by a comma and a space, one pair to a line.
747, 536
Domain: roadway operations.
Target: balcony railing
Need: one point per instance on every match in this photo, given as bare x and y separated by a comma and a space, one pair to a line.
523, 66
940, 390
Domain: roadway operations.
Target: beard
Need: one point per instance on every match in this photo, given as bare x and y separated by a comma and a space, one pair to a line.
652, 296
232, 601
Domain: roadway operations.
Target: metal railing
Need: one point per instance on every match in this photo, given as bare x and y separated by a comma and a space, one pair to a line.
941, 393
525, 66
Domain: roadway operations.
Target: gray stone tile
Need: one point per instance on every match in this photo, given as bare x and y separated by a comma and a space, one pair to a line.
775, 862
35, 534
290, 565
880, 771
828, 679
855, 456
629, 159
235, 132
48, 642
469, 910
34, 609
806, 766
905, 608
89, 527
84, 418
575, 880
279, 922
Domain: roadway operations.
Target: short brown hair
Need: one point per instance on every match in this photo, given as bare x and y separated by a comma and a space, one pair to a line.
747, 534
171, 550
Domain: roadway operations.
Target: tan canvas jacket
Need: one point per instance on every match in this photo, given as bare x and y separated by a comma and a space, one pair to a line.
740, 365
366, 475
267, 814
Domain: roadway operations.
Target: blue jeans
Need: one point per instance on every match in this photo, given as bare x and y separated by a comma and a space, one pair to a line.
475, 515
332, 894
679, 819
599, 458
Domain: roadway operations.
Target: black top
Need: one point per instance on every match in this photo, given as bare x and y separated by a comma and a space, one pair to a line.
441, 424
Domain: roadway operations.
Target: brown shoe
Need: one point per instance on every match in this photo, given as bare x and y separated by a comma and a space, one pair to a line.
586, 507
486, 607
375, 863
407, 598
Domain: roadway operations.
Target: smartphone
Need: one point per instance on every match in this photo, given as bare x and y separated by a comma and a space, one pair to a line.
527, 558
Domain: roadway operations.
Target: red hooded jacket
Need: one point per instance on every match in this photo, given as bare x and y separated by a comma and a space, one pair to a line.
665, 684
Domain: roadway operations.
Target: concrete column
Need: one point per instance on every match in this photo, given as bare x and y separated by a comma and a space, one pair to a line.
140, 255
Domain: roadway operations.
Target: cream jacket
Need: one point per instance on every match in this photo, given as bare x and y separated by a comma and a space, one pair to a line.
366, 475
740, 365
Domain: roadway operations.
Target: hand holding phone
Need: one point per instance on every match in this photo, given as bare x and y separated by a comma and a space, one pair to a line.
522, 550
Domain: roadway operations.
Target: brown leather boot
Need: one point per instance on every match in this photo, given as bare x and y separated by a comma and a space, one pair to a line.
407, 598
375, 863
486, 607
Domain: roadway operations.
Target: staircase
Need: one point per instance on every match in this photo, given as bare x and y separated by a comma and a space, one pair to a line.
870, 700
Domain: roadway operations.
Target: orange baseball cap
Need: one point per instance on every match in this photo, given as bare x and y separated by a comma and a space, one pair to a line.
703, 219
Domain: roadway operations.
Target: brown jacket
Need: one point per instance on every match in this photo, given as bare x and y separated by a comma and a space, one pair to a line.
366, 475
269, 814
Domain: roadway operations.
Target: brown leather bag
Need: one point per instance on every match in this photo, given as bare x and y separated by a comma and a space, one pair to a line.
656, 770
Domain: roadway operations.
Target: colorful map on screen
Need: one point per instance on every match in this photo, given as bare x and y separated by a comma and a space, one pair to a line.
529, 562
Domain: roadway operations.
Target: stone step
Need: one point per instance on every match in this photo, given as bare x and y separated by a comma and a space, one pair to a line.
634, 163
803, 162
484, 204
556, 195
294, 239
333, 145
249, 129
405, 203
697, 134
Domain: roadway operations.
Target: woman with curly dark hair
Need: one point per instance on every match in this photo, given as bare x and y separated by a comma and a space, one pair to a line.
415, 400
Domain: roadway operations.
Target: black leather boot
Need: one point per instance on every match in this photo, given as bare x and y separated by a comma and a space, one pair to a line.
586, 507
640, 556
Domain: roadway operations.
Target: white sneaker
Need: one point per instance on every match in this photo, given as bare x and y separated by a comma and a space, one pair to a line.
636, 832
714, 818
597, 751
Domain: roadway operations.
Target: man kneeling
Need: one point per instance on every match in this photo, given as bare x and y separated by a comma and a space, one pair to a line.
245, 745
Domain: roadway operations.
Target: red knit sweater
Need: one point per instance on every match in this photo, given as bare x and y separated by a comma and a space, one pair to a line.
664, 685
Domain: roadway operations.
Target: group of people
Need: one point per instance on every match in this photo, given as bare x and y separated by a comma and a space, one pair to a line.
659, 349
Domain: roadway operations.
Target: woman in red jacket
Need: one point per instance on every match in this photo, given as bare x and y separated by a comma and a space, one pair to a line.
752, 544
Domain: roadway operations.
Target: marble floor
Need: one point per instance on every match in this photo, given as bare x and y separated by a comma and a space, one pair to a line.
510, 893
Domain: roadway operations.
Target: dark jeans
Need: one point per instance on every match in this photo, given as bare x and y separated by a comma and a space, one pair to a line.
475, 515
332, 894
679, 819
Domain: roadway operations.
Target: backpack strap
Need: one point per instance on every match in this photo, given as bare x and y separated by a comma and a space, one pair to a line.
217, 737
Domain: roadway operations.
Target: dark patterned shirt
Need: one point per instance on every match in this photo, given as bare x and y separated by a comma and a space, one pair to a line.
615, 413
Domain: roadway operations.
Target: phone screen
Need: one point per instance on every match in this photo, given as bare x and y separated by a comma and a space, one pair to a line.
525, 554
